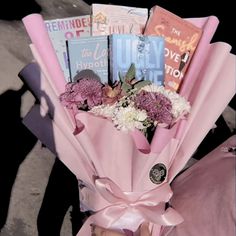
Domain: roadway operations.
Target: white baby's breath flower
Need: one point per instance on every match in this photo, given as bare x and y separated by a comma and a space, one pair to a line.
154, 88
129, 118
180, 106
107, 111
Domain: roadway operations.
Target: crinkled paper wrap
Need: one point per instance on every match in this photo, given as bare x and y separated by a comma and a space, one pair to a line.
114, 166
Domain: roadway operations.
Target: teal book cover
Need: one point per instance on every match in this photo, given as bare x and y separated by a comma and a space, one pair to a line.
146, 52
88, 54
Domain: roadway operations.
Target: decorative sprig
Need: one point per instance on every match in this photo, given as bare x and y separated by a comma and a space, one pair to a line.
129, 81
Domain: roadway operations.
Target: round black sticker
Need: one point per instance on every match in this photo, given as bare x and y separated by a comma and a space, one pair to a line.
158, 173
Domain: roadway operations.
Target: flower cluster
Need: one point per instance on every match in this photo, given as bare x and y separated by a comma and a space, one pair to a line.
83, 94
129, 104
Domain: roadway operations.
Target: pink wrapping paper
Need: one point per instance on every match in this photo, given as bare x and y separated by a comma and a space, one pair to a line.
114, 165
205, 195
209, 26
52, 136
36, 29
54, 133
212, 95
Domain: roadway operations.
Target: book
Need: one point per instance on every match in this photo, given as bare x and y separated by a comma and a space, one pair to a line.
60, 30
109, 19
88, 56
181, 40
145, 52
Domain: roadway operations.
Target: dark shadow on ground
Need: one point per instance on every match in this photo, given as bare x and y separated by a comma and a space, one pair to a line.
16, 142
62, 188
16, 10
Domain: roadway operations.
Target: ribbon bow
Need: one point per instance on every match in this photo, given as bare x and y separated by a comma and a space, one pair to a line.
127, 210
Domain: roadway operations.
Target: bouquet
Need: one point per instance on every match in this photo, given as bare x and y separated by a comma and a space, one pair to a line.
128, 103
124, 178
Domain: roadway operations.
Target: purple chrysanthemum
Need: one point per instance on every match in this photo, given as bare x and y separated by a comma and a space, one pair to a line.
157, 106
84, 94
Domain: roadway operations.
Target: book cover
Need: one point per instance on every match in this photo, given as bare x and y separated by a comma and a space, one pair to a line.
109, 19
88, 54
60, 30
181, 39
146, 52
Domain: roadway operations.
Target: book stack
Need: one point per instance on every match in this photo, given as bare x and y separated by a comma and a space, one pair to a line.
161, 47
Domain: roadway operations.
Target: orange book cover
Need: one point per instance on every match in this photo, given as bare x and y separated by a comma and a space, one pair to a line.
181, 39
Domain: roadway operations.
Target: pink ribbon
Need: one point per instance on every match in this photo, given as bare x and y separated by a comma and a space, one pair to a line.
127, 210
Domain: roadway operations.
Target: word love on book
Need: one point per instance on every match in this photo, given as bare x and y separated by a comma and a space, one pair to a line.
181, 39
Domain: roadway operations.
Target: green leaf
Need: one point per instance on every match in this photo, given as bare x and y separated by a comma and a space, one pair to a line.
130, 75
120, 77
138, 85
126, 87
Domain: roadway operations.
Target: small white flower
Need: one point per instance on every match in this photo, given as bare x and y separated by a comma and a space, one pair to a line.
180, 106
129, 118
153, 88
104, 110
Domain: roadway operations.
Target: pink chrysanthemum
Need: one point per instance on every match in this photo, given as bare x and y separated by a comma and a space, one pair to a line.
84, 94
157, 106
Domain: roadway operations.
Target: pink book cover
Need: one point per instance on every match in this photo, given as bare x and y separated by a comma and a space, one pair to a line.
181, 39
109, 19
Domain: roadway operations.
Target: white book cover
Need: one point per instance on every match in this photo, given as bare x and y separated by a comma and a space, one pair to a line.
113, 19
60, 30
